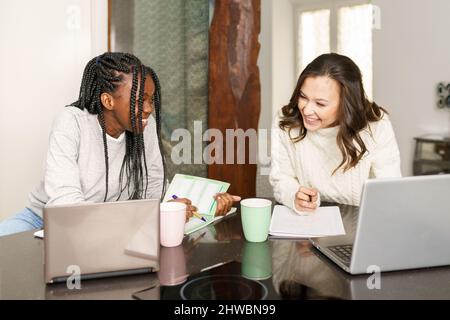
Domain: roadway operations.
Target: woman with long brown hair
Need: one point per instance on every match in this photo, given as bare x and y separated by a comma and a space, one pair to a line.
330, 138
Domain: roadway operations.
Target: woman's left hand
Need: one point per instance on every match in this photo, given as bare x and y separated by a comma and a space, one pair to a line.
225, 202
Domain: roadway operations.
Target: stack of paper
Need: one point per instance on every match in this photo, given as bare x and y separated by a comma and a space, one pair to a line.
325, 221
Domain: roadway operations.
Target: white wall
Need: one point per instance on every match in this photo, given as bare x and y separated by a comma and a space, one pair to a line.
45, 46
283, 59
265, 73
277, 72
411, 55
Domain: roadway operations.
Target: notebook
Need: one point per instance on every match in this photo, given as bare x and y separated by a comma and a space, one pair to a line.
201, 192
324, 221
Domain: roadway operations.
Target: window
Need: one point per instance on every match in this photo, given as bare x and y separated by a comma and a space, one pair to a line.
314, 32
342, 26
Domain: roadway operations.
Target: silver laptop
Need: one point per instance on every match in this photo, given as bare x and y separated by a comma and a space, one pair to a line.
101, 239
403, 223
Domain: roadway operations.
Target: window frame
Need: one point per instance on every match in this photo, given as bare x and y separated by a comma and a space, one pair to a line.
300, 6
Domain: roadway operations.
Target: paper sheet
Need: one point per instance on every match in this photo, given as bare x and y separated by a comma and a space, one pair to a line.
39, 234
325, 221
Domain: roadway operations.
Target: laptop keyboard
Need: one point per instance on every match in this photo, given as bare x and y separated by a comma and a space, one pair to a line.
343, 252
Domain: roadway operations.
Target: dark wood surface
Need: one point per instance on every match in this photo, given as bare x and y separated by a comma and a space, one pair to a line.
298, 271
234, 86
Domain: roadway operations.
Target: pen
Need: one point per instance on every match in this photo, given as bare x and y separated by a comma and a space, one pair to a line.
195, 213
199, 216
309, 196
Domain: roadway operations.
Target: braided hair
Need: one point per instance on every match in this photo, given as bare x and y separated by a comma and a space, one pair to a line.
102, 74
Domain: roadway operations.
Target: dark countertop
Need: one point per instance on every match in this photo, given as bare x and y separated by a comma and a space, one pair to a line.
297, 270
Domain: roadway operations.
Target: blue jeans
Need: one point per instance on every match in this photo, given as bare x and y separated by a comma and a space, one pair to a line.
25, 220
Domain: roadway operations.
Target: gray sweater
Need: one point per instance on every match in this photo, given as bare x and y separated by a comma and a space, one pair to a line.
75, 167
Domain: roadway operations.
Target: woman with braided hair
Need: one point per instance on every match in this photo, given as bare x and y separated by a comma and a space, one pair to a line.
101, 148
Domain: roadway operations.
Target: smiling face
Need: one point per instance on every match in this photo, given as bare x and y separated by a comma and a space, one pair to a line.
318, 102
117, 106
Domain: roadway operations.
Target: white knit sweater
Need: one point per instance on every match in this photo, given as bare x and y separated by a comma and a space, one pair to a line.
75, 166
311, 161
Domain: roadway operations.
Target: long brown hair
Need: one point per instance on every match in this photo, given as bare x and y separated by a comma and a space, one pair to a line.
355, 110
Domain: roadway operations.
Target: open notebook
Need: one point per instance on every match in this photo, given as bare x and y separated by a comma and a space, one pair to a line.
201, 192
324, 221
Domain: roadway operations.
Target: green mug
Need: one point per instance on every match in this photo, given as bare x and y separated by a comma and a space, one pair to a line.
255, 216
256, 260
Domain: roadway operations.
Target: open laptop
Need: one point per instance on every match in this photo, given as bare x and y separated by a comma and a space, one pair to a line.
101, 239
403, 223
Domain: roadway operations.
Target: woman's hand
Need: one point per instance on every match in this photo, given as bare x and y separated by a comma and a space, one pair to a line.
190, 209
306, 199
225, 202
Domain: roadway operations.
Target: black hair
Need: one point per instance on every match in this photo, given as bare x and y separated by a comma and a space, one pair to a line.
103, 74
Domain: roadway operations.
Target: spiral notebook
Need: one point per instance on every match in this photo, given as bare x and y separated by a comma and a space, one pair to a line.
201, 192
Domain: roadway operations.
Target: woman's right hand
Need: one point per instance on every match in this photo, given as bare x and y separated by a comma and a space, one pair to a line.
190, 209
306, 199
